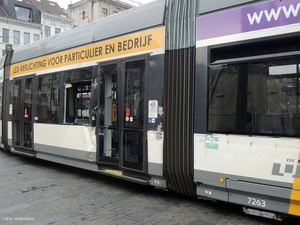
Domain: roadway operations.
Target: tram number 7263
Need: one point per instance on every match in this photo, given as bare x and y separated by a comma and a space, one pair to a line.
257, 202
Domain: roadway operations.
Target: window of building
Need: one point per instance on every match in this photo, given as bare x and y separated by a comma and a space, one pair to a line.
5, 35
83, 15
16, 37
47, 31
36, 37
57, 30
24, 14
48, 107
26, 38
104, 12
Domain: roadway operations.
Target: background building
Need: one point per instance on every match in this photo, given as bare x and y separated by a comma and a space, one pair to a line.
86, 11
25, 21
19, 24
54, 19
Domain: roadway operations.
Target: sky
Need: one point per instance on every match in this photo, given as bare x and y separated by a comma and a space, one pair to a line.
65, 3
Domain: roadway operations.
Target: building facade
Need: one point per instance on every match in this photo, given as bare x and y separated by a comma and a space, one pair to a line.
19, 24
86, 11
26, 21
54, 19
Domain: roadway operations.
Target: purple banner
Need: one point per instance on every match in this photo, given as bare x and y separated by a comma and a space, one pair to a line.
265, 15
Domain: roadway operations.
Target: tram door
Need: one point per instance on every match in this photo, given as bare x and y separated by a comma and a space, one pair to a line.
22, 113
109, 132
121, 115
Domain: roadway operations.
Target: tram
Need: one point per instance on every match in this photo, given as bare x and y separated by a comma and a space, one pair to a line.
197, 97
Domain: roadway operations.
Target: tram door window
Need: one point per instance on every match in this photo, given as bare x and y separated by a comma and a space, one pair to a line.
22, 113
133, 112
107, 115
17, 112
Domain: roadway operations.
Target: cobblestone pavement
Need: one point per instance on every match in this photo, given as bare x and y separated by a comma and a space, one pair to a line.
36, 192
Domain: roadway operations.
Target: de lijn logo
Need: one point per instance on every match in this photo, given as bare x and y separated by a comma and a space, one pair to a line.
282, 169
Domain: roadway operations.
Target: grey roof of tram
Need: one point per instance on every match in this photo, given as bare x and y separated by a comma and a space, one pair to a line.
134, 19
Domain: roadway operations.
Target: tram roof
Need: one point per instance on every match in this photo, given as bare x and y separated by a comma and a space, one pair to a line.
134, 19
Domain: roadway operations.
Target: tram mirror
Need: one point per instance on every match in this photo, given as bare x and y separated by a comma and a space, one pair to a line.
282, 70
67, 85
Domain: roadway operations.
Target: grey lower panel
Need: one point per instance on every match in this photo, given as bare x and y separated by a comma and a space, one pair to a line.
70, 157
212, 178
259, 196
253, 193
258, 189
155, 169
212, 193
158, 182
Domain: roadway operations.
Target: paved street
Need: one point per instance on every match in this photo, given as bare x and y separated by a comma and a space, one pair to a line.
36, 192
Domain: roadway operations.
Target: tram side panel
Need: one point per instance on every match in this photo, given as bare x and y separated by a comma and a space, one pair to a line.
155, 116
73, 145
247, 145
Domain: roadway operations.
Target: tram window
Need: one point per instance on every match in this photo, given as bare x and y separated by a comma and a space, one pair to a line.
1, 99
83, 100
48, 98
258, 97
78, 91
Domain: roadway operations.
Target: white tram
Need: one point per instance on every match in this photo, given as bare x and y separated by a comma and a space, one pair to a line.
198, 97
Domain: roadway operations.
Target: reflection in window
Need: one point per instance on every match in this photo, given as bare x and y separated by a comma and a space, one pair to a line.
26, 38
36, 37
104, 12
47, 31
48, 98
17, 111
83, 100
286, 69
134, 92
5, 35
24, 14
16, 37
57, 30
27, 133
256, 98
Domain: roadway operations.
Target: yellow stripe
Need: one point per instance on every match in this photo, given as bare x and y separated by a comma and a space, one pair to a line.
114, 172
147, 40
295, 195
